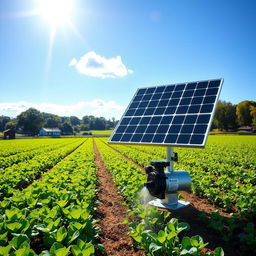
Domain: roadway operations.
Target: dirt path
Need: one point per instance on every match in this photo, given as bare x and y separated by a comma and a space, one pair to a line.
111, 213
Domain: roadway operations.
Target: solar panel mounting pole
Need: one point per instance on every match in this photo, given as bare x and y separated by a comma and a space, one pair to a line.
169, 155
171, 199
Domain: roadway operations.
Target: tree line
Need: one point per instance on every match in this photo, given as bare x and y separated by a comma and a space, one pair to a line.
31, 121
228, 117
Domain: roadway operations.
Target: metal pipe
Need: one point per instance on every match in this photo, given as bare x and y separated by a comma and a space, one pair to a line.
169, 155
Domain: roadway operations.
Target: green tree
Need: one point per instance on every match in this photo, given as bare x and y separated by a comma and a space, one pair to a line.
51, 123
66, 129
86, 120
30, 121
74, 120
76, 128
253, 114
225, 116
51, 120
11, 125
243, 112
84, 127
64, 119
230, 113
3, 121
99, 123
92, 121
111, 123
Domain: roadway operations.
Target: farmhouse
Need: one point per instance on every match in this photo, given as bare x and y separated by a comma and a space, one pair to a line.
53, 132
245, 128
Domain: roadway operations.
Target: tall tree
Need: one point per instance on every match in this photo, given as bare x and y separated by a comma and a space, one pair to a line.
99, 123
225, 116
30, 121
74, 120
3, 121
67, 129
64, 119
86, 120
230, 113
51, 120
11, 125
253, 114
243, 112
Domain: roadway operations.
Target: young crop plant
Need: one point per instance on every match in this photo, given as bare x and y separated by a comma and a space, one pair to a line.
6, 161
160, 235
20, 175
53, 216
13, 147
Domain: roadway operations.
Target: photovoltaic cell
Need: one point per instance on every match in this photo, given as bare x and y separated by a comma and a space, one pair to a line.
169, 115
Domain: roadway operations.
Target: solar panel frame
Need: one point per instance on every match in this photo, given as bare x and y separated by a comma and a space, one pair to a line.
145, 94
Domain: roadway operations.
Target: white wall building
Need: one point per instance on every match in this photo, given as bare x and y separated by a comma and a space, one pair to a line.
53, 132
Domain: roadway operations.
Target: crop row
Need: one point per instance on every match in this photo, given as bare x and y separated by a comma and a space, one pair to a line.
7, 161
151, 230
12, 147
22, 174
54, 216
233, 155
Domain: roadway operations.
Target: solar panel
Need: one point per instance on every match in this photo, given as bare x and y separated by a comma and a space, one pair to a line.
169, 115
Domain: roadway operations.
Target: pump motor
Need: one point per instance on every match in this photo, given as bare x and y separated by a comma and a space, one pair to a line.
165, 185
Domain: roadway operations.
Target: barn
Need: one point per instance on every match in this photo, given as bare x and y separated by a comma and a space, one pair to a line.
52, 132
245, 128
10, 133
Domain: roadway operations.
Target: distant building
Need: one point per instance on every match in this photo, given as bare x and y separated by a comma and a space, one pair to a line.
245, 128
10, 133
52, 132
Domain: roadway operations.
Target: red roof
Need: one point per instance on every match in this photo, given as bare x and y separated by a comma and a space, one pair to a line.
245, 128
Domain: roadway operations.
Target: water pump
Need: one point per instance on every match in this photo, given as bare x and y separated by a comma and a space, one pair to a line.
164, 185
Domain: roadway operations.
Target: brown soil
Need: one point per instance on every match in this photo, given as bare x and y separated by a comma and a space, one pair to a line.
202, 204
191, 215
111, 212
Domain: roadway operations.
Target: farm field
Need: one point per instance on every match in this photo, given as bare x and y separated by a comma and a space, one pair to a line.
49, 196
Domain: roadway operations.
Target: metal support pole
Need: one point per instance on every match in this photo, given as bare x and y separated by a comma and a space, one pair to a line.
169, 155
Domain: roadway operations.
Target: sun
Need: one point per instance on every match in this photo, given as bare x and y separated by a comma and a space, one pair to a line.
56, 12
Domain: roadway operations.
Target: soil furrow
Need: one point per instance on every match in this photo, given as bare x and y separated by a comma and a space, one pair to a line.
111, 212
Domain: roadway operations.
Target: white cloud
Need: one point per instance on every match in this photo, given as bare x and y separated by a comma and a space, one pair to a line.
96, 107
92, 64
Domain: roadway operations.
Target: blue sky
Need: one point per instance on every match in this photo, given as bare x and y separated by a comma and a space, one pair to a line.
95, 65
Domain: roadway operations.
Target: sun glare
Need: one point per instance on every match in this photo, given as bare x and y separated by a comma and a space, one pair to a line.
56, 12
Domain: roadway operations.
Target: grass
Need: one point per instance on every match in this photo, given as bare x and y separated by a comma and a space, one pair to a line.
101, 132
